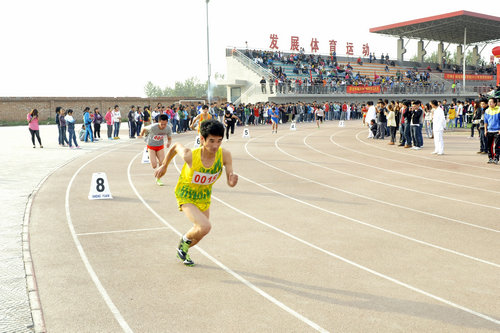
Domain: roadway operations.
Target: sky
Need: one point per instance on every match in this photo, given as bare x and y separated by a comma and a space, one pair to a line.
112, 48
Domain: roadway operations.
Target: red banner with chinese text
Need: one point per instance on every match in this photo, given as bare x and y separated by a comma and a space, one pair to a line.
363, 89
468, 77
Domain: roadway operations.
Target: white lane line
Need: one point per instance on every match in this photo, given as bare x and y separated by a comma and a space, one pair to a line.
431, 159
364, 223
220, 264
371, 225
475, 188
383, 276
104, 294
366, 269
119, 231
368, 198
382, 183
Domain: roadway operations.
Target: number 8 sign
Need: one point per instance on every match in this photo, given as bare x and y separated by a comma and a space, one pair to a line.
99, 187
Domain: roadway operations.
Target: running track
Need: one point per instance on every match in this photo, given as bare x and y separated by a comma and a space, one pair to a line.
326, 231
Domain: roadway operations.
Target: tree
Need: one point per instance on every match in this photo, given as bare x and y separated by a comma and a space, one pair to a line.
433, 58
152, 91
191, 87
450, 59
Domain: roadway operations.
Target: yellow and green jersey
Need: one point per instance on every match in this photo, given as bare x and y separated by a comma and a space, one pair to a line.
195, 183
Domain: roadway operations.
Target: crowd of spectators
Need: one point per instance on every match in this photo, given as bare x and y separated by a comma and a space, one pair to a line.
317, 74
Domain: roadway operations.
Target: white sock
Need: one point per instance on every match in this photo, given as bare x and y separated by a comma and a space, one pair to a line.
185, 239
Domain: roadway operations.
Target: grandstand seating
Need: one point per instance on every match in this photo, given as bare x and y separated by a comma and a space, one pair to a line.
365, 70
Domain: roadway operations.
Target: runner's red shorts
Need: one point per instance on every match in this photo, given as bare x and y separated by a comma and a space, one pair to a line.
156, 148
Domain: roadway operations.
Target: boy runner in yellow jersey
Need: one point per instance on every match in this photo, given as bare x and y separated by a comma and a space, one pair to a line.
202, 167
204, 115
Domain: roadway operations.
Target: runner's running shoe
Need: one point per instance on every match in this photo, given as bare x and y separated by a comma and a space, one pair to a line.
182, 253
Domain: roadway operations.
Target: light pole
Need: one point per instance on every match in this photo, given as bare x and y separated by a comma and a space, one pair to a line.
208, 57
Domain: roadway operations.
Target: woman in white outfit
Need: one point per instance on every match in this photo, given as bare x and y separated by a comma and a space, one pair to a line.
370, 114
439, 124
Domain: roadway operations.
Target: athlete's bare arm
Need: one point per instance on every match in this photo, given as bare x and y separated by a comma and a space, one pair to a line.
227, 160
144, 131
194, 121
176, 149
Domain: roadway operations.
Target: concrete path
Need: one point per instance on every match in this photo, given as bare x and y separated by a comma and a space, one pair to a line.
23, 170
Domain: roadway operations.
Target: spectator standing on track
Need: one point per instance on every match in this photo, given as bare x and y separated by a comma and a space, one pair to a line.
202, 167
438, 126
34, 127
70, 121
256, 115
416, 128
97, 123
87, 121
155, 142
58, 113
183, 114
428, 120
139, 120
459, 114
62, 127
109, 122
481, 107
343, 115
154, 115
176, 119
451, 116
391, 123
492, 129
381, 120
117, 118
131, 122
406, 119
147, 116
247, 113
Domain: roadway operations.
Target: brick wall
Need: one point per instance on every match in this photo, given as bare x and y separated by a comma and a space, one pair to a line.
16, 108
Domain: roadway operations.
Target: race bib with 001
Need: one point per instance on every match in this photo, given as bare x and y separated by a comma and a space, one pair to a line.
200, 178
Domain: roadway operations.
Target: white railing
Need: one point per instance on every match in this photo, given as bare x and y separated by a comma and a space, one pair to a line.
252, 65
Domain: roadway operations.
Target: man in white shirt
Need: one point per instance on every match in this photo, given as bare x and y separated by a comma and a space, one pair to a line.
370, 114
438, 126
460, 114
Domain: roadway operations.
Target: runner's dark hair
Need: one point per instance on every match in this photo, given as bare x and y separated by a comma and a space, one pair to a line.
211, 127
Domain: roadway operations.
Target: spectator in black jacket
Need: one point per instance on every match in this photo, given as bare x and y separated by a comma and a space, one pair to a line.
416, 125
131, 123
381, 120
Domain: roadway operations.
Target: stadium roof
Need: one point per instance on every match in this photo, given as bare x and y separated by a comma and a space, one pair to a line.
447, 28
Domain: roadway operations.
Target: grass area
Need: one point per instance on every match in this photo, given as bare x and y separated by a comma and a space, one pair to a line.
25, 123
13, 123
